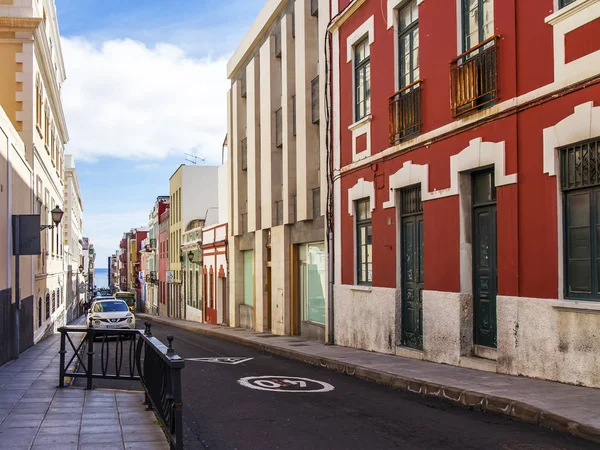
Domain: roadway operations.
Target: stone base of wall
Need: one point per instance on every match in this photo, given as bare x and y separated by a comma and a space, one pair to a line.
312, 331
549, 339
193, 314
246, 314
365, 319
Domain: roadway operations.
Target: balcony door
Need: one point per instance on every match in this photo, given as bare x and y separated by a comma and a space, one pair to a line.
478, 22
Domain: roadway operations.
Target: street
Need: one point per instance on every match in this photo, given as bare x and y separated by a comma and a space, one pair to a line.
221, 413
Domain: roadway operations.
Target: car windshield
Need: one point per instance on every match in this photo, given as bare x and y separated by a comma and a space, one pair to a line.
116, 306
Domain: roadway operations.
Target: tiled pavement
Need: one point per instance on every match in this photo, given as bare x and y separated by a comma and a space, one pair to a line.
34, 414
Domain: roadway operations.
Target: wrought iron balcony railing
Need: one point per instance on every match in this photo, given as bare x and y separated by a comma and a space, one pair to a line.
405, 113
474, 78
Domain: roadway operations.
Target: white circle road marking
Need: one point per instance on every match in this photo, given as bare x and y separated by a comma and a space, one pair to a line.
277, 383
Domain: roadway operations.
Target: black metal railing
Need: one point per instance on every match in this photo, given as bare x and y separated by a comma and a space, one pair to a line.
474, 78
405, 113
135, 355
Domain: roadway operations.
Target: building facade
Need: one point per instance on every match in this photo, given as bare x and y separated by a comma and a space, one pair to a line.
164, 220
152, 279
465, 191
277, 136
31, 98
72, 239
193, 198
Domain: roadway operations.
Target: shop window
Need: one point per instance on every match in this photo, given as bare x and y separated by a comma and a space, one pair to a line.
580, 183
313, 282
249, 278
364, 257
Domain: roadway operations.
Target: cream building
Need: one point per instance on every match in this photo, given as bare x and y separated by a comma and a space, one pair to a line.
277, 252
72, 238
193, 194
33, 68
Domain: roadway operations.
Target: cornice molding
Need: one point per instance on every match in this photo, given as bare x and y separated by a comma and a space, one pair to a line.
20, 23
346, 13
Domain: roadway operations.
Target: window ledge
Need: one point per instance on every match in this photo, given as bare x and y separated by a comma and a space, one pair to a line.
360, 288
360, 122
568, 11
582, 306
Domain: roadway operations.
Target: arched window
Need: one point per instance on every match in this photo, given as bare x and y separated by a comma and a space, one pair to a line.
47, 306
39, 312
53, 301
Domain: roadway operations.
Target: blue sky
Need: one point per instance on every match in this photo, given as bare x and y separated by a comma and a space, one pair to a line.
146, 83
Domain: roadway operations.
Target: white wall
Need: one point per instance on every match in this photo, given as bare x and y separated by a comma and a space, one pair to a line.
199, 192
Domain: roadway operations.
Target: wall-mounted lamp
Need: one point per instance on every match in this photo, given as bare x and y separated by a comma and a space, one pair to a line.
190, 256
57, 215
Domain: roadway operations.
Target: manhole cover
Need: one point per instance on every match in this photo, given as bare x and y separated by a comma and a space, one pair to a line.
528, 446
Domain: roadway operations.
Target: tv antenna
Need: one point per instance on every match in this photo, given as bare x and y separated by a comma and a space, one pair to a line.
195, 158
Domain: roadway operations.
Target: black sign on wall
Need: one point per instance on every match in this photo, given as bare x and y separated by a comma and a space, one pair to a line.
26, 234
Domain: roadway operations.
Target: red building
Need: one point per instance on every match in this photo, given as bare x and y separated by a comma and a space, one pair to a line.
163, 259
466, 136
139, 236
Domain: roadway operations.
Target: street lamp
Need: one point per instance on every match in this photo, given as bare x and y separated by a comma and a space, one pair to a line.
57, 215
26, 241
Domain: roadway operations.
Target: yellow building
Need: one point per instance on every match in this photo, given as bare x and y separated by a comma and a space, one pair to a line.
175, 184
31, 76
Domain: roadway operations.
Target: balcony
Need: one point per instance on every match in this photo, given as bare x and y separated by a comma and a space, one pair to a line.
405, 113
474, 78
123, 243
123, 258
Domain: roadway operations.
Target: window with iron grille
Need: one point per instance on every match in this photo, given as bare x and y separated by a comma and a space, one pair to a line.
362, 79
315, 100
278, 128
364, 255
563, 3
243, 86
294, 115
314, 8
580, 184
316, 198
244, 153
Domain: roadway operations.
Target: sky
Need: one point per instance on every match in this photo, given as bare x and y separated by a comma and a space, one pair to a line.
146, 83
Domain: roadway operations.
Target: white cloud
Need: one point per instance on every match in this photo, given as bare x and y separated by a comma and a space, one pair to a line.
127, 100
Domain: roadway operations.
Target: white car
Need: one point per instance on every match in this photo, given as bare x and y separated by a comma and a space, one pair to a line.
110, 313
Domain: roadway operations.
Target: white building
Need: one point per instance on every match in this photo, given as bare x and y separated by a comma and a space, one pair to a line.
31, 55
72, 238
277, 137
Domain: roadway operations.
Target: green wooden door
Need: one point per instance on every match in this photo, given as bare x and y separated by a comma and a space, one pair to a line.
412, 268
485, 270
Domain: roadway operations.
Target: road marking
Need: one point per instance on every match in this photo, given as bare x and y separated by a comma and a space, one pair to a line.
276, 383
222, 359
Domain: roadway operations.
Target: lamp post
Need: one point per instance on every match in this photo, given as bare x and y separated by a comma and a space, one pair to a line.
57, 215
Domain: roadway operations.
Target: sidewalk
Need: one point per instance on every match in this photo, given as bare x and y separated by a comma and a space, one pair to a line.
34, 414
562, 407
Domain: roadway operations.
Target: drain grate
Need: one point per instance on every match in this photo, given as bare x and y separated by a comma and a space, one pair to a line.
266, 335
528, 446
298, 345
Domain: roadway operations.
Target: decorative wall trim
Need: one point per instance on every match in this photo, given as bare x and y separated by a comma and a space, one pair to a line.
408, 175
361, 189
345, 14
366, 29
583, 124
359, 128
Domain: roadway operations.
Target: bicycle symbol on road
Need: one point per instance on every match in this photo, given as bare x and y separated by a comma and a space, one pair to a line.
275, 383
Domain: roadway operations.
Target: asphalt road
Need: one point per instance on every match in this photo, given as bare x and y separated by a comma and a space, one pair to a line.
220, 413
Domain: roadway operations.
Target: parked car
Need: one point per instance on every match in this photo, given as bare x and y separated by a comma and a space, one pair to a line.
109, 312
128, 297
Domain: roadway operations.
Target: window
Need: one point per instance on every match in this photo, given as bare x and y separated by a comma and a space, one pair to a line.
277, 42
314, 8
563, 3
316, 198
47, 306
38, 104
408, 43
278, 129
478, 22
315, 100
362, 69
279, 212
211, 296
294, 115
580, 182
244, 153
364, 257
243, 86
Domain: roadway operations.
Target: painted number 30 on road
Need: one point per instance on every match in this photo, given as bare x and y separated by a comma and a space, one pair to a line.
285, 384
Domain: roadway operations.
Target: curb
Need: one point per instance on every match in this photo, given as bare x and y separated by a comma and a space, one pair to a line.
477, 401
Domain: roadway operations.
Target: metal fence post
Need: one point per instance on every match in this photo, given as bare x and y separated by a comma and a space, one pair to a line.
90, 353
61, 376
177, 407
